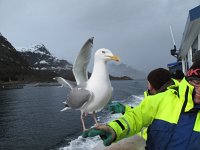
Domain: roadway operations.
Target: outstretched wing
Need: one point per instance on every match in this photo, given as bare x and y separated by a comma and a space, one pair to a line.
65, 83
82, 61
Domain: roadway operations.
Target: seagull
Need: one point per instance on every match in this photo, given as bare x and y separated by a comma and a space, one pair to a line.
89, 95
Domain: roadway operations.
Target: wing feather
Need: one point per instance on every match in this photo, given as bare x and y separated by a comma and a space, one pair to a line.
82, 61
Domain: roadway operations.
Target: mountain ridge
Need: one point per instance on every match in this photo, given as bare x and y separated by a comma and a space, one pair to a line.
35, 64
122, 69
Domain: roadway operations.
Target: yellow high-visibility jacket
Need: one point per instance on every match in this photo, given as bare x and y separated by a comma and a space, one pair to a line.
172, 119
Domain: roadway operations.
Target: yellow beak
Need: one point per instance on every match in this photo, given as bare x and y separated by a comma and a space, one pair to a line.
114, 57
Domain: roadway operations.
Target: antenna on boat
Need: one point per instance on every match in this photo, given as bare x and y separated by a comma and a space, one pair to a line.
173, 51
172, 35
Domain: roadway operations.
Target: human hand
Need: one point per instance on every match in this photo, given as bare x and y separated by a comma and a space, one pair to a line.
116, 108
106, 133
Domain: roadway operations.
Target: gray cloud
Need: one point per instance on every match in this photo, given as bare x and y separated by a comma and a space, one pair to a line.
137, 31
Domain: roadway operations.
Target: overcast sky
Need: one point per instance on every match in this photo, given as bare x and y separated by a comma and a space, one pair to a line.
136, 30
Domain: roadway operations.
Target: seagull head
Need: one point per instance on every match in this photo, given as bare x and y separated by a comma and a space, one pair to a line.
106, 55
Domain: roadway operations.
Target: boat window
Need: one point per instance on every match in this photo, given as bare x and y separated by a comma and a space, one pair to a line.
195, 45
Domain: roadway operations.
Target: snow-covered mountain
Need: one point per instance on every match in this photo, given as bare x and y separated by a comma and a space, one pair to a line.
124, 70
36, 64
39, 58
43, 62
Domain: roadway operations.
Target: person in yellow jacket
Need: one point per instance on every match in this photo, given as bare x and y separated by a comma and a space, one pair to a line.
172, 118
157, 81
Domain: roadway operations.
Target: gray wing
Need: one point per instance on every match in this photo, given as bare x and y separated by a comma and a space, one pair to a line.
65, 83
82, 61
78, 97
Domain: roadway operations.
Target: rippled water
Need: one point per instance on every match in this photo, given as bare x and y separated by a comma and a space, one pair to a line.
30, 118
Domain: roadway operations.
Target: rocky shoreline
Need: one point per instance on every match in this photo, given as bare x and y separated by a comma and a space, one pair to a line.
40, 83
9, 86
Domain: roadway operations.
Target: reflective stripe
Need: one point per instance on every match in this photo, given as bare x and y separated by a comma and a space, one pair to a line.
120, 124
127, 125
186, 100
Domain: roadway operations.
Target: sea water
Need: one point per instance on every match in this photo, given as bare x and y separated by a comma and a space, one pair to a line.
30, 118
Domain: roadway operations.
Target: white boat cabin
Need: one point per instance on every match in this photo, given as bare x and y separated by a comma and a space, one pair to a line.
191, 39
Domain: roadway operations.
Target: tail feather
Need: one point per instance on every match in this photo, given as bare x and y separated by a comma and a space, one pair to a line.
64, 109
65, 102
65, 83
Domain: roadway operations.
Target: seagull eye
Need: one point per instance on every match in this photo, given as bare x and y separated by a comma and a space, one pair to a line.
103, 52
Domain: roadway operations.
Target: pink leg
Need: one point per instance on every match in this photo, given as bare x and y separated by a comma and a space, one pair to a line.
82, 121
94, 117
86, 114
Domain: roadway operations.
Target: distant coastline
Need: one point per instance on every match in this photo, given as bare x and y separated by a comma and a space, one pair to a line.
20, 84
35, 65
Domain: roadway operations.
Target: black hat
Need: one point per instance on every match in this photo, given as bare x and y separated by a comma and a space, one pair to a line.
194, 72
158, 77
178, 74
